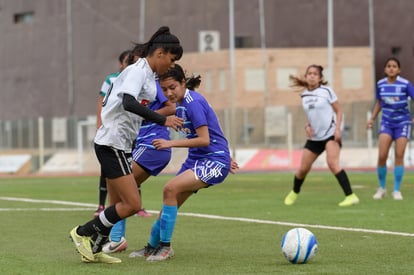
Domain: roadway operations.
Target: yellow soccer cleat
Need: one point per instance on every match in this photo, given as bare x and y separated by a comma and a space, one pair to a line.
83, 244
349, 200
291, 198
102, 258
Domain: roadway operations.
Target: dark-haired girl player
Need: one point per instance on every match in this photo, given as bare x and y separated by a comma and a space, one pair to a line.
208, 162
392, 95
323, 131
123, 109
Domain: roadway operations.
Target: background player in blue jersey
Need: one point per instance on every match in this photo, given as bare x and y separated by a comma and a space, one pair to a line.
392, 94
123, 63
123, 109
208, 162
323, 131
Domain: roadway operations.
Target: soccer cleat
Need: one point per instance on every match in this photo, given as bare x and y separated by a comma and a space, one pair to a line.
112, 247
83, 244
102, 258
349, 200
396, 195
99, 210
143, 213
143, 252
162, 253
291, 198
381, 192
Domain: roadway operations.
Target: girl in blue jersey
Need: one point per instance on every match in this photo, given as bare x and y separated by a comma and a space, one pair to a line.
123, 109
392, 98
208, 162
323, 131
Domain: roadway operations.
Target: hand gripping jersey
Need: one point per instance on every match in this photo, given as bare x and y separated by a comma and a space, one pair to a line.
119, 127
317, 105
151, 130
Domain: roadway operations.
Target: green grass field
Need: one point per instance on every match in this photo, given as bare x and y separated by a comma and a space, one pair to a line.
241, 235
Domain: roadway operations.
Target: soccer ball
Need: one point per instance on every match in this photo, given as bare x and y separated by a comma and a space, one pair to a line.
299, 245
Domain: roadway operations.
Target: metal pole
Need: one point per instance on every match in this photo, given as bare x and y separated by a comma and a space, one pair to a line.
69, 54
264, 59
232, 79
330, 43
372, 39
289, 139
41, 144
369, 139
142, 21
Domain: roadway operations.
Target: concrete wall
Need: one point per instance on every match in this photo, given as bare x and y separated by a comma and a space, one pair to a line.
34, 58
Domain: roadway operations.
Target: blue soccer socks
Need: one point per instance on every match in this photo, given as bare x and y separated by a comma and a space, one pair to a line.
382, 175
167, 222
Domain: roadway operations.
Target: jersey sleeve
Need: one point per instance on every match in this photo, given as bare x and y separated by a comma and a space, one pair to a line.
196, 111
133, 81
377, 91
332, 96
105, 86
160, 95
410, 90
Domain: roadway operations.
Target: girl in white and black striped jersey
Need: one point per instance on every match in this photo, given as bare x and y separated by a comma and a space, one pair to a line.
123, 109
323, 131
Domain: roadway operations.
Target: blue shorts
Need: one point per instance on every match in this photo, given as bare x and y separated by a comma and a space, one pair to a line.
209, 171
151, 160
396, 131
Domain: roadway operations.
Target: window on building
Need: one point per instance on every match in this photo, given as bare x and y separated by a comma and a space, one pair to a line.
395, 50
207, 81
243, 42
254, 80
352, 77
222, 80
282, 77
24, 17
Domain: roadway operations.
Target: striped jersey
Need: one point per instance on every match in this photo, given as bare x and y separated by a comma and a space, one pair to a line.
119, 127
317, 105
393, 98
150, 130
108, 82
197, 112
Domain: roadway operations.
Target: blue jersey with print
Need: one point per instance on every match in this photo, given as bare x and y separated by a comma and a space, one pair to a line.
393, 98
150, 130
197, 112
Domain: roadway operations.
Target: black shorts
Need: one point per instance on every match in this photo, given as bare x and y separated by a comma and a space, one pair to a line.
114, 163
318, 146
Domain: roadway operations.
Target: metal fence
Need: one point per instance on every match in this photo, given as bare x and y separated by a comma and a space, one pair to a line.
43, 137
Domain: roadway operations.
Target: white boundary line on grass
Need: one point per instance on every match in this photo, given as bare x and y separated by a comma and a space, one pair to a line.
205, 216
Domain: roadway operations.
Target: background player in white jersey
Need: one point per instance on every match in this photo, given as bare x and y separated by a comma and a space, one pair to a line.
123, 109
323, 131
392, 95
123, 63
208, 162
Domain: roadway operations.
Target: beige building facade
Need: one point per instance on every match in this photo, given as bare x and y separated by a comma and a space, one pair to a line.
263, 98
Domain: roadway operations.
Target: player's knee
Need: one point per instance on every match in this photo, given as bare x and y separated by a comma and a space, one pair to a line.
334, 167
169, 191
134, 207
